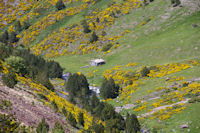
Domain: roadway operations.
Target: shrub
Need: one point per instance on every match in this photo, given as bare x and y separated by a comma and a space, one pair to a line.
175, 2
9, 79
103, 33
26, 25
13, 38
98, 128
81, 119
86, 28
5, 50
4, 37
42, 127
17, 63
194, 100
55, 106
6, 125
107, 47
60, 5
93, 38
71, 119
145, 71
185, 84
18, 26
64, 111
58, 128
5, 104
43, 79
42, 96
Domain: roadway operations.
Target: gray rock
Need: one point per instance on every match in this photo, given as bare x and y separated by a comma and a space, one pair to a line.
184, 126
194, 25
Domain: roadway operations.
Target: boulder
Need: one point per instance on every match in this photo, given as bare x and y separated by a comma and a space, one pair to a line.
184, 126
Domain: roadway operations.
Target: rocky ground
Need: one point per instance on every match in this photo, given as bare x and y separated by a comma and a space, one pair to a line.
27, 109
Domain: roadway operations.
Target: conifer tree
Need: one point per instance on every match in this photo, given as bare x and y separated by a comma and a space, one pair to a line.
94, 101
86, 28
132, 124
109, 89
78, 89
60, 5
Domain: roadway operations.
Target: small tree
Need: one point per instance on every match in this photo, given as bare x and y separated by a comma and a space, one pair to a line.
145, 71
86, 28
17, 63
42, 127
175, 2
9, 79
93, 38
60, 5
132, 124
109, 89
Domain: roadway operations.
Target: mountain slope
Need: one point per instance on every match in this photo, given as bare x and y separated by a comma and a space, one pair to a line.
129, 35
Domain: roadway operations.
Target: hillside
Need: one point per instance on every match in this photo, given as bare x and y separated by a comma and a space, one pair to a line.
151, 49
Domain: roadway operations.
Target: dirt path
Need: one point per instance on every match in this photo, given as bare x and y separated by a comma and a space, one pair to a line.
163, 107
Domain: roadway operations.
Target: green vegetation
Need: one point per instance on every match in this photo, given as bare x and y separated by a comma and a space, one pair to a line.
13, 38
5, 104
94, 37
9, 79
60, 5
80, 119
71, 119
132, 124
78, 87
58, 128
42, 127
17, 63
24, 63
8, 123
157, 34
109, 89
